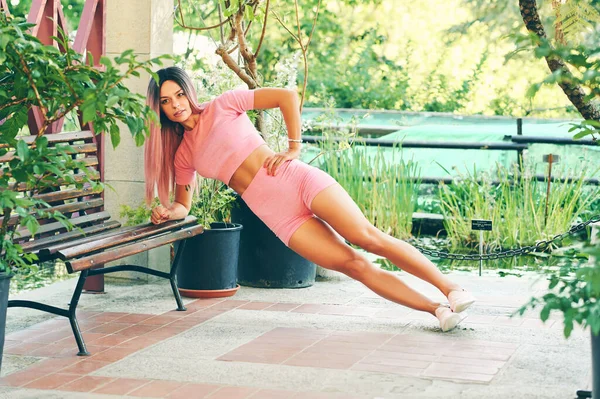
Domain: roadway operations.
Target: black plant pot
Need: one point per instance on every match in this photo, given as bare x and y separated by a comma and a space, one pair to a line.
4, 287
209, 262
265, 261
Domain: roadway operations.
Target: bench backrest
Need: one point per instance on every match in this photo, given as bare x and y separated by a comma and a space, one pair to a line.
83, 206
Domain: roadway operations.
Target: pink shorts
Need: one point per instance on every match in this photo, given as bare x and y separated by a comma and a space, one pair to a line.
283, 201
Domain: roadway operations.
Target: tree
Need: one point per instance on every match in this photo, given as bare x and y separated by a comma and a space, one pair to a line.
71, 8
234, 20
34, 74
582, 89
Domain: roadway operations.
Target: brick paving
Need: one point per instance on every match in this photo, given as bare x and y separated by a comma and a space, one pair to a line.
113, 336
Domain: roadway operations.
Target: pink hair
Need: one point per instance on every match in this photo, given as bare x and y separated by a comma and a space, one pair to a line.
162, 144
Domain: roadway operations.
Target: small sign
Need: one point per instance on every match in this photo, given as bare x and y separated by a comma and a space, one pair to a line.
551, 158
478, 224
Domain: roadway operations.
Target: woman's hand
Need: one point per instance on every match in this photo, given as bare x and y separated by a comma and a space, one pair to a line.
160, 214
273, 163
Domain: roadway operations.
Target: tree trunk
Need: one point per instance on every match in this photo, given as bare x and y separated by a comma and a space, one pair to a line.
574, 92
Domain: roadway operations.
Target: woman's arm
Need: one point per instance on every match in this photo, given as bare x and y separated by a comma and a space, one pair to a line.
179, 209
287, 101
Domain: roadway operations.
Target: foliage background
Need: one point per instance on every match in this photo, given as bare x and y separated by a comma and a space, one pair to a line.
438, 55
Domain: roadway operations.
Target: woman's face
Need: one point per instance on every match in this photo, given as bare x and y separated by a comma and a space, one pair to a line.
173, 102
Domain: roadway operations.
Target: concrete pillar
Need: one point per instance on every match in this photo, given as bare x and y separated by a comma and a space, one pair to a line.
146, 26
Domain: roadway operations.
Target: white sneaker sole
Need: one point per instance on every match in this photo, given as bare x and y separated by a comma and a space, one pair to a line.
452, 322
462, 306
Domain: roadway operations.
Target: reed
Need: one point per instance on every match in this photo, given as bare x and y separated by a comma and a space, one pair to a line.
381, 182
516, 207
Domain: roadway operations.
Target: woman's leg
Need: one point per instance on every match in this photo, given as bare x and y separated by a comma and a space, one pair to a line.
337, 208
317, 242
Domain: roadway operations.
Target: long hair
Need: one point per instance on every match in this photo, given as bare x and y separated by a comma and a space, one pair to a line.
160, 148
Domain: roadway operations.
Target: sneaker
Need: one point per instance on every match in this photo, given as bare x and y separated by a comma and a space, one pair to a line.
460, 300
448, 319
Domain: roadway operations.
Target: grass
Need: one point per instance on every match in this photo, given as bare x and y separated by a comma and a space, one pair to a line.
385, 188
517, 207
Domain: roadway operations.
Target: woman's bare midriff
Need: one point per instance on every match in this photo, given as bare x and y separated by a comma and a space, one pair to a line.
247, 170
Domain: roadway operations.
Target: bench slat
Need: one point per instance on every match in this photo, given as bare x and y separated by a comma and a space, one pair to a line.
79, 177
132, 249
82, 149
82, 221
71, 207
88, 149
77, 149
142, 231
59, 137
49, 245
67, 194
51, 250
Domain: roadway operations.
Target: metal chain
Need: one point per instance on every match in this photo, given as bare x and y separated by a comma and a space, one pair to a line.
539, 246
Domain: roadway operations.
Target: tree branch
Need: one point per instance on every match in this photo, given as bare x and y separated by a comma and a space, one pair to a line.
10, 104
56, 117
183, 25
298, 25
574, 92
31, 82
305, 53
314, 24
249, 58
221, 19
241, 39
264, 28
230, 62
285, 27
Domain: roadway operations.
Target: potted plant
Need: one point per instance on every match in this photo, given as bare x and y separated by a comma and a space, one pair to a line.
208, 266
34, 76
264, 260
574, 291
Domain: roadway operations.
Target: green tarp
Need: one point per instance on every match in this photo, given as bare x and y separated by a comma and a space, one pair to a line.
435, 162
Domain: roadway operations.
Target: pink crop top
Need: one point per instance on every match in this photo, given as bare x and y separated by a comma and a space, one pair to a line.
221, 140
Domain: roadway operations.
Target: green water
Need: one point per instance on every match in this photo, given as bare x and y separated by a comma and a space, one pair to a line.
438, 163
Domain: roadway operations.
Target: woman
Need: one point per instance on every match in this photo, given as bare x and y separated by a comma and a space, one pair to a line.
304, 206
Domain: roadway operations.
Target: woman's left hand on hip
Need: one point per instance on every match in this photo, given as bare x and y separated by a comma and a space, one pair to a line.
273, 162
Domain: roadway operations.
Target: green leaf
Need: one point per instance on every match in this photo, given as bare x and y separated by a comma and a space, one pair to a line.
248, 13
79, 77
111, 101
89, 112
115, 137
32, 225
106, 62
582, 134
132, 124
568, 328
545, 313
23, 150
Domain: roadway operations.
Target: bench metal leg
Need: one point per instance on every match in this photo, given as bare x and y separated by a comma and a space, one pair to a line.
173, 275
68, 313
73, 318
71, 312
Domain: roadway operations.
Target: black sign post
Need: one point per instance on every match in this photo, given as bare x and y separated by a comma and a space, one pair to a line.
481, 225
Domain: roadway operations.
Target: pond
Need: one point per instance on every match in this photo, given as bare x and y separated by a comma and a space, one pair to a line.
436, 127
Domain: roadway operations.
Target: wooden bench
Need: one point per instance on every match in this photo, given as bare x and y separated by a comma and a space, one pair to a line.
96, 239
